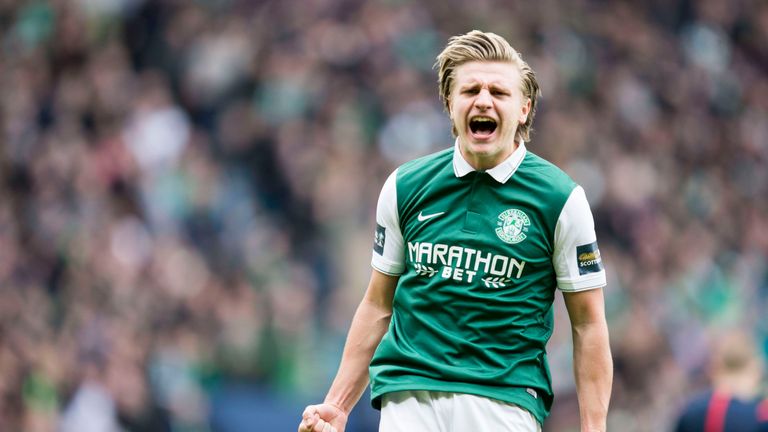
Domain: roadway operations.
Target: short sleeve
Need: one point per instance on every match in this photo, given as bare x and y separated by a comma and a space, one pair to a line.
388, 256
576, 259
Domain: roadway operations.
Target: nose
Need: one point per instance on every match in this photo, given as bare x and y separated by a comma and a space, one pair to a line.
483, 101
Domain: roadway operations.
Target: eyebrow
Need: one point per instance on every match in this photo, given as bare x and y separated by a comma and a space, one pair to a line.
494, 86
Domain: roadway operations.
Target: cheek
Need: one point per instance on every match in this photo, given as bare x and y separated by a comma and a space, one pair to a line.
455, 113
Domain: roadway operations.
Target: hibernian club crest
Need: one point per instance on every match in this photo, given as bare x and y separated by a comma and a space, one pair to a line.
512, 225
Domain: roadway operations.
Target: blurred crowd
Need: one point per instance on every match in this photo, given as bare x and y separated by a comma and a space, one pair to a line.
188, 187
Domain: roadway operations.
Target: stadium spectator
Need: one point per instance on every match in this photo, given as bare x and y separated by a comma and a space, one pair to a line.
734, 402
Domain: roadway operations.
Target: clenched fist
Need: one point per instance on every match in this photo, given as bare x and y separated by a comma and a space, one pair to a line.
323, 418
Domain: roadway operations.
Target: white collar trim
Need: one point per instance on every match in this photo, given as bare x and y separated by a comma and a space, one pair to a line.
501, 172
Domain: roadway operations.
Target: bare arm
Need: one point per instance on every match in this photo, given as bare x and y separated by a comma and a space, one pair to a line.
368, 327
369, 324
593, 366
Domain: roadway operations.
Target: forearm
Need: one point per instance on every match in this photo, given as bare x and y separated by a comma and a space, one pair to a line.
369, 324
593, 368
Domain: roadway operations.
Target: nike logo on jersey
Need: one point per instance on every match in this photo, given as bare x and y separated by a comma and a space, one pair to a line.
422, 217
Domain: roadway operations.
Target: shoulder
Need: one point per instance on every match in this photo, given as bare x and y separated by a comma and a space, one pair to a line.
426, 165
545, 180
545, 170
421, 177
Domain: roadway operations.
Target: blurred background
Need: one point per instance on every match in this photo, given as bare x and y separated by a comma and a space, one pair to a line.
188, 188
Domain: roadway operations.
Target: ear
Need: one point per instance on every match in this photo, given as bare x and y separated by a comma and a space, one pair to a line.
524, 111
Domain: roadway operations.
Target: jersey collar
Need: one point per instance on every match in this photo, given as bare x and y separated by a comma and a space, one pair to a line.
501, 172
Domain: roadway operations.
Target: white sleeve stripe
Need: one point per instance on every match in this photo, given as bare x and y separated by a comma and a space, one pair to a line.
387, 265
595, 280
386, 272
583, 288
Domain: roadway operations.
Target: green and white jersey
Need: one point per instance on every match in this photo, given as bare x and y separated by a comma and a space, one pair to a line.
479, 256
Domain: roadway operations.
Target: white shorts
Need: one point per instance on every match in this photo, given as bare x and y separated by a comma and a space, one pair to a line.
430, 411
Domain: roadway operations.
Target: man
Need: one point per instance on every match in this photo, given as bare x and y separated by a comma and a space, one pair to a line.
733, 403
470, 246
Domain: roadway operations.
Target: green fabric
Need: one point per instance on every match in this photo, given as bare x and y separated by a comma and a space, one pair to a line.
473, 313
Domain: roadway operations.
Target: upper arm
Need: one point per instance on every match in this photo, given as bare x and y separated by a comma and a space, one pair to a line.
585, 307
381, 290
388, 259
388, 254
576, 257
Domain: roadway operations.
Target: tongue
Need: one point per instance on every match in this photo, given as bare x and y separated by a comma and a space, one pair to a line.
482, 132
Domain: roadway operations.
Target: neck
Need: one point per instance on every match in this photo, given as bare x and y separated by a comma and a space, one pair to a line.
743, 386
481, 162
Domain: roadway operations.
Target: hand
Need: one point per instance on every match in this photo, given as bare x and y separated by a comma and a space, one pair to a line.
323, 418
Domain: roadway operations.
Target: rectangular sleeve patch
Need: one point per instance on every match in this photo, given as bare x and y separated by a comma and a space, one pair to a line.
379, 239
588, 259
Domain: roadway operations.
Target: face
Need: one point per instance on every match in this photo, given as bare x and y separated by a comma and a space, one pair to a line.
486, 106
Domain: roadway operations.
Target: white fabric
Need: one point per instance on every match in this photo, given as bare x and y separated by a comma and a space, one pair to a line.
92, 409
429, 411
501, 172
575, 227
392, 261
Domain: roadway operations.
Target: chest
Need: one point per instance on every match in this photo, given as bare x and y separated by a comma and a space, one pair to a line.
477, 214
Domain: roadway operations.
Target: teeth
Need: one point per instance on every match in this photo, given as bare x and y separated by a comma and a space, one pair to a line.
482, 123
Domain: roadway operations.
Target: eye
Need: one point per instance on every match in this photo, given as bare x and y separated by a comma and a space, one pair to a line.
499, 93
470, 91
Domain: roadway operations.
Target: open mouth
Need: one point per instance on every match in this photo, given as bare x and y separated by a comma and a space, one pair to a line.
482, 126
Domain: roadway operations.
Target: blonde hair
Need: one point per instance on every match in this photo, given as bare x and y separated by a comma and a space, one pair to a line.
734, 351
485, 46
